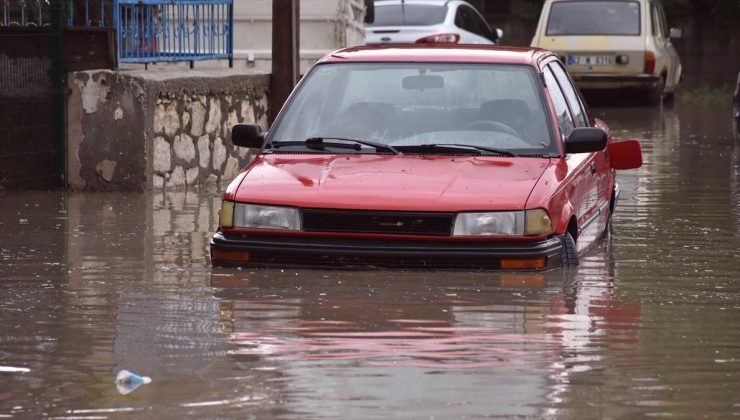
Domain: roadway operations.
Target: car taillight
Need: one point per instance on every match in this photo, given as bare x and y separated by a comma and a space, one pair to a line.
439, 39
649, 62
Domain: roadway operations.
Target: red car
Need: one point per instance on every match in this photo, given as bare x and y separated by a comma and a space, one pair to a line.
435, 156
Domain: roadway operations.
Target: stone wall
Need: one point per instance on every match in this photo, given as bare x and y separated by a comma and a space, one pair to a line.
138, 130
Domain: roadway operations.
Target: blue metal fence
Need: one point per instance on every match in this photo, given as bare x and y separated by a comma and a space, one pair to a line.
173, 30
146, 30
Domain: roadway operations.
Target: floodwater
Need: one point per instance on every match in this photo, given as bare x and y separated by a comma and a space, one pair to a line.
646, 326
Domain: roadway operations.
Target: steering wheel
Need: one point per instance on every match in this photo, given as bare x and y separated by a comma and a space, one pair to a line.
489, 125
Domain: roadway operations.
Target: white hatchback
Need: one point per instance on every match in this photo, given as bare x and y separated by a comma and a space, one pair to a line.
428, 21
612, 44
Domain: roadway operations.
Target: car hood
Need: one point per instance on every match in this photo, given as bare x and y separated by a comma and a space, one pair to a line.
395, 182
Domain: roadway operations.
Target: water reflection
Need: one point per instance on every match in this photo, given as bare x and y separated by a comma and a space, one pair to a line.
415, 340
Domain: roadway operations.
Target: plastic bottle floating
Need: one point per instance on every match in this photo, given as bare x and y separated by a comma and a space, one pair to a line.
127, 382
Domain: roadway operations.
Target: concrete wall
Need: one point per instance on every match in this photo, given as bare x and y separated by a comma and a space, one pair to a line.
325, 26
139, 130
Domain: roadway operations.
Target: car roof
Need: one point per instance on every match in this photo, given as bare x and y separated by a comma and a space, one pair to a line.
438, 53
433, 2
616, 1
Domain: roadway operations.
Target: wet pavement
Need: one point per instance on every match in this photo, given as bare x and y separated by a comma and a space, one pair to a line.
646, 326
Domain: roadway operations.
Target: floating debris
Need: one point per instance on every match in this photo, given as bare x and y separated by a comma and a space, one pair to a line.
127, 382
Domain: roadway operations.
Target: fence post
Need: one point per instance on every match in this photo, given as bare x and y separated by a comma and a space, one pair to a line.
285, 47
116, 33
59, 111
230, 45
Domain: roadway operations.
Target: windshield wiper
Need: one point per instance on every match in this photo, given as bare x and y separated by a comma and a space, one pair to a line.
501, 152
318, 142
377, 146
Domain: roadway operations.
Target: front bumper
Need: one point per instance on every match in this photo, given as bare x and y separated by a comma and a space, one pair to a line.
281, 251
614, 81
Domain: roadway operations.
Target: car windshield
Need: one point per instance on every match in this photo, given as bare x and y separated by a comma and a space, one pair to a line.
494, 106
408, 15
594, 18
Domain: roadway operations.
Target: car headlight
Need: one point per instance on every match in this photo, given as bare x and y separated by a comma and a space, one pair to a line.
502, 223
260, 217
226, 215
537, 222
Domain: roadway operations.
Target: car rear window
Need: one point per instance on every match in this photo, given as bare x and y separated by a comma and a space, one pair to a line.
408, 15
594, 18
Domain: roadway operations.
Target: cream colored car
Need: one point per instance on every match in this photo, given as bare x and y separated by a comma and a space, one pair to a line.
612, 44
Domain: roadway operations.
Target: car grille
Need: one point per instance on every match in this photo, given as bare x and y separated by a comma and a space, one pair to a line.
401, 223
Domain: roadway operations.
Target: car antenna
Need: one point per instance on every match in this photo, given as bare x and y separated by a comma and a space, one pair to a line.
403, 11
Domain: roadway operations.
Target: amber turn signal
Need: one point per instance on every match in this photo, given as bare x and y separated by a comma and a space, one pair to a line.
230, 256
534, 281
523, 264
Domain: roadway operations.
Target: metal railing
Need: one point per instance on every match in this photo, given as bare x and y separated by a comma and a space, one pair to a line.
173, 30
24, 13
35, 13
89, 13
146, 30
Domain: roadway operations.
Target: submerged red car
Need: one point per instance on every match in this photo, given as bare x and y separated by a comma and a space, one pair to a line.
436, 156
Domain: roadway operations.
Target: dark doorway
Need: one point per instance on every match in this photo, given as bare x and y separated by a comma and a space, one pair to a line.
32, 99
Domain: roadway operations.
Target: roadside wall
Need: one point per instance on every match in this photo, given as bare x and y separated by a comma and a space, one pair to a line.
139, 130
707, 57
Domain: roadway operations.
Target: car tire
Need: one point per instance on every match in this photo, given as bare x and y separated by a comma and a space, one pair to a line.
570, 254
655, 95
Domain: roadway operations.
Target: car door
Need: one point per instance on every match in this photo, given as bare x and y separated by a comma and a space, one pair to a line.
657, 42
673, 63
590, 171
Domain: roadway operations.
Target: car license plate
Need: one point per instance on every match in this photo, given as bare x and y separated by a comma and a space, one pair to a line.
591, 60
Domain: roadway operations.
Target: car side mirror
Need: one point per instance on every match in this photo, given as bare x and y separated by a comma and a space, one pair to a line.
499, 33
586, 140
625, 154
675, 33
369, 11
247, 135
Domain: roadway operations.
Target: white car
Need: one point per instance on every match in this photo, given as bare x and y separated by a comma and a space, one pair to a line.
428, 21
612, 44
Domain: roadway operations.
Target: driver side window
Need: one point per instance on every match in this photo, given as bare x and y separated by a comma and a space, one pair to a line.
570, 94
565, 120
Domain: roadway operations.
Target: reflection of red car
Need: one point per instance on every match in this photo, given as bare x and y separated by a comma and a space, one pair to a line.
425, 156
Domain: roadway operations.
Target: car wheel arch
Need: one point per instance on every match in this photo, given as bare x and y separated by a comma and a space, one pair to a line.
572, 227
567, 222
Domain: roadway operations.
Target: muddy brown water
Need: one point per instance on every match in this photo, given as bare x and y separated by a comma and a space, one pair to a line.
647, 325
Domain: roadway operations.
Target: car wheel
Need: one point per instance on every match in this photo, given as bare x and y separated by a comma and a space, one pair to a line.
669, 97
570, 254
655, 95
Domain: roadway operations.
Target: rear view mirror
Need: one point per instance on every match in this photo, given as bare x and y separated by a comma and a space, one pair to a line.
586, 140
247, 135
675, 33
423, 82
625, 154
